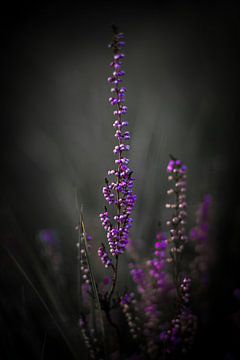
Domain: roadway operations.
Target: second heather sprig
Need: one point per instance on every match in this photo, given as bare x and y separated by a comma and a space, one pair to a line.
177, 177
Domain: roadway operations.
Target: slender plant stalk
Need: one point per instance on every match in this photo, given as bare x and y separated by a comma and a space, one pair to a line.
20, 268
44, 345
93, 283
114, 279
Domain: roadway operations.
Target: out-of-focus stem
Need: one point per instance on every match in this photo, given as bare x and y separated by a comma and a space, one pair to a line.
114, 280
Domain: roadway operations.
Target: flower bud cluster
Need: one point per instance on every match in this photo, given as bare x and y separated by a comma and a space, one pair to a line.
84, 270
104, 256
185, 288
129, 308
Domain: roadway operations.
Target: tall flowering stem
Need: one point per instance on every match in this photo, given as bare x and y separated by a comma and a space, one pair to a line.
177, 178
118, 192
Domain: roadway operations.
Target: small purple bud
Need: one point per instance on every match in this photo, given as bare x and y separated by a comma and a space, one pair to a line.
119, 56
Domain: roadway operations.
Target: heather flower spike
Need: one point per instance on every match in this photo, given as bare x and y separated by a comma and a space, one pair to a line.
118, 192
177, 178
102, 253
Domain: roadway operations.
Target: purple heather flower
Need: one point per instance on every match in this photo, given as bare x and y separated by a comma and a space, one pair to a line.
119, 192
102, 253
176, 166
105, 220
118, 56
158, 264
125, 299
138, 276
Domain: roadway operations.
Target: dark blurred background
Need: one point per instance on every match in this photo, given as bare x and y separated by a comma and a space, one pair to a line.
182, 76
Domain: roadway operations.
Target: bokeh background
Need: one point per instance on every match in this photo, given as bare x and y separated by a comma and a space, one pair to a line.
182, 76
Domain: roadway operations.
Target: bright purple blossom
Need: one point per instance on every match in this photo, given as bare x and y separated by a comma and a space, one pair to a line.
105, 220
102, 253
176, 166
119, 192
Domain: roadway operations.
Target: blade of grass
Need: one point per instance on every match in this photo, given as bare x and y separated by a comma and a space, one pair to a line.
93, 284
79, 282
29, 281
44, 345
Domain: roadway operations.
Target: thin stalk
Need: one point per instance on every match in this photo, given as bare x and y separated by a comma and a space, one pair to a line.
176, 257
44, 345
20, 268
114, 280
94, 287
109, 318
79, 282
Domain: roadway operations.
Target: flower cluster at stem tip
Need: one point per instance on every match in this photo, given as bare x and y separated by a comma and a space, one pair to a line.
119, 191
